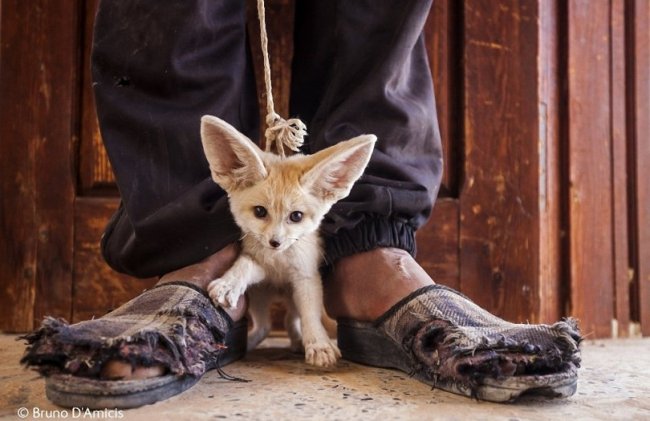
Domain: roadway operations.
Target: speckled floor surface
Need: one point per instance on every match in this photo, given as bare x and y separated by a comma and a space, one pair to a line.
614, 385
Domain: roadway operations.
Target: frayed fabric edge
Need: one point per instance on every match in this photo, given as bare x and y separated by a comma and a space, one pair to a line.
191, 348
439, 354
179, 338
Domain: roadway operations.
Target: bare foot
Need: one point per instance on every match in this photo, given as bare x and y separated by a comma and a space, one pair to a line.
365, 285
199, 274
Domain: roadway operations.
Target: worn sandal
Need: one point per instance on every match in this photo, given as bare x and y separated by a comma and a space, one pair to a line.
174, 325
443, 339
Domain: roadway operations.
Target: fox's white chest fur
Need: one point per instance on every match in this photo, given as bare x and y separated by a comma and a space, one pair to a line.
300, 261
279, 203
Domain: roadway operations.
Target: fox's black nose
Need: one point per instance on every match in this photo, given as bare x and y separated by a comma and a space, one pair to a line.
274, 243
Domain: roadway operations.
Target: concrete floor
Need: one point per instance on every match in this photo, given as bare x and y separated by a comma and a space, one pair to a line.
614, 385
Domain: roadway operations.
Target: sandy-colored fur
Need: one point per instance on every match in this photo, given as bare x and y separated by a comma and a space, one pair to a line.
283, 253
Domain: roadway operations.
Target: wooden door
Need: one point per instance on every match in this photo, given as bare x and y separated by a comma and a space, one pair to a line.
543, 109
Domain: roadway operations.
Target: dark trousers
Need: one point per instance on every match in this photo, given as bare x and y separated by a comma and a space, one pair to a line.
359, 66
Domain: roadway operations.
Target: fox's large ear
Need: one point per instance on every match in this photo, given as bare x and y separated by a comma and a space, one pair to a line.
234, 160
335, 169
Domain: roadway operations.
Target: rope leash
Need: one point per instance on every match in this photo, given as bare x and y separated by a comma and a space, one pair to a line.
280, 133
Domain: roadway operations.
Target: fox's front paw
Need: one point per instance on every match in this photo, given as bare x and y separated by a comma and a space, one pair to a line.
322, 353
226, 292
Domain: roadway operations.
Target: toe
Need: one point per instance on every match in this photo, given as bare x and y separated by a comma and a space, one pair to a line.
147, 372
116, 370
122, 370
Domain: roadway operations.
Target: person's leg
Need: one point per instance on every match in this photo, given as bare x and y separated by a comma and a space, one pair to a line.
361, 67
157, 68
156, 71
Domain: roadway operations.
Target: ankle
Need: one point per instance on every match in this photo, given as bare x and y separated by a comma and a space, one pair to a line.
365, 285
206, 271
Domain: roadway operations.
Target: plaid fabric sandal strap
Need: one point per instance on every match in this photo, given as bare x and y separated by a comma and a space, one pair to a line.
174, 325
442, 338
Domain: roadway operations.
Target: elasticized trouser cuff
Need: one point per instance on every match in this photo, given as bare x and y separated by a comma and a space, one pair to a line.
370, 234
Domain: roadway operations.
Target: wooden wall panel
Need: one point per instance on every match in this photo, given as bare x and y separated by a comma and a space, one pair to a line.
499, 208
38, 130
552, 297
620, 233
640, 25
589, 158
438, 239
97, 288
18, 216
443, 36
437, 244
95, 171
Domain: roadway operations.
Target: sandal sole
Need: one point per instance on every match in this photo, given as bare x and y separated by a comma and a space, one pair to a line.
363, 343
71, 391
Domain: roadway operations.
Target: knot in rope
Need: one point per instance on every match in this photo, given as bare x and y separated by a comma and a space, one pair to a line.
283, 133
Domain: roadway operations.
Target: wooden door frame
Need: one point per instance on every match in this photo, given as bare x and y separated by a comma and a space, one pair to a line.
509, 243
39, 130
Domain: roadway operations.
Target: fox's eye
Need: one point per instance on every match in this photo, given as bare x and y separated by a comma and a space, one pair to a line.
295, 216
259, 211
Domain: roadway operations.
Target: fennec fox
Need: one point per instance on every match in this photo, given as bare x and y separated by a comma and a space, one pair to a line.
279, 203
